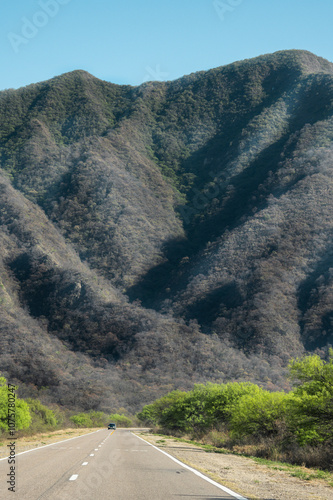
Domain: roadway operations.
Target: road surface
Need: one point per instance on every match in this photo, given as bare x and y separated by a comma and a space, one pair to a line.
113, 465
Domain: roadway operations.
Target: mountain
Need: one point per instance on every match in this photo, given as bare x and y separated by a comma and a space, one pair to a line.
156, 236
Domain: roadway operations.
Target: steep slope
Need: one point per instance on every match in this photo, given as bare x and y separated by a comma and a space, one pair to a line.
159, 235
275, 160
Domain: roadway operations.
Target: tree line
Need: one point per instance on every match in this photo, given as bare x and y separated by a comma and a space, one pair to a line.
30, 416
296, 426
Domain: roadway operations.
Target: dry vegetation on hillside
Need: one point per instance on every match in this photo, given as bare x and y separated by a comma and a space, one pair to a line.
156, 236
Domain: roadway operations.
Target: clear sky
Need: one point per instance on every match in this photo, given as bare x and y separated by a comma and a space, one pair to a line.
131, 41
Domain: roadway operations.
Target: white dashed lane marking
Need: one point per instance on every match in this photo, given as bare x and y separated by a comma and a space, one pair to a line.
75, 476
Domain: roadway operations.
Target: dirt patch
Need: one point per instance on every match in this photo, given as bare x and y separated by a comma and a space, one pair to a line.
30, 442
243, 475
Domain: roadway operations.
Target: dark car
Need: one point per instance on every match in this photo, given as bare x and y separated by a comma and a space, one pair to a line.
112, 426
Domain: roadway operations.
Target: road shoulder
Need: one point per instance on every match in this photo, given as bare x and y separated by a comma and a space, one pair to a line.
244, 475
42, 439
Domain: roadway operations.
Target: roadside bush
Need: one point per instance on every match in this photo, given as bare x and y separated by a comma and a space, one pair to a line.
90, 419
311, 408
22, 413
221, 398
98, 418
295, 427
199, 410
186, 413
260, 415
216, 438
81, 420
42, 417
151, 414
120, 420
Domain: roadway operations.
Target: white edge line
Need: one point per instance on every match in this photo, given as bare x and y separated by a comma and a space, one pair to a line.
196, 472
52, 444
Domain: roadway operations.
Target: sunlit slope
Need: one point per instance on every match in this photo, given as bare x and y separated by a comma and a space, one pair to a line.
160, 234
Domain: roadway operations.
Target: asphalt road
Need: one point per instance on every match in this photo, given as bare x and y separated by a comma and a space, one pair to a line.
105, 465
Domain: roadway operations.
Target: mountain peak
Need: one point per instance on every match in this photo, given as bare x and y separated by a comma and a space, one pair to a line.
169, 234
293, 58
310, 63
76, 75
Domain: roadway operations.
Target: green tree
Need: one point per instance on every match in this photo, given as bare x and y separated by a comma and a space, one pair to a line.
149, 415
260, 414
152, 414
222, 397
311, 408
42, 417
81, 420
21, 413
204, 407
199, 410
120, 420
90, 419
185, 412
98, 418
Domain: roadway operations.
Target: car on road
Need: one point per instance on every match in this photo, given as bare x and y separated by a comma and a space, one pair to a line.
112, 426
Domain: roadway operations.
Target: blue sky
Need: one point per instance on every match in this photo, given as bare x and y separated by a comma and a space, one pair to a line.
132, 41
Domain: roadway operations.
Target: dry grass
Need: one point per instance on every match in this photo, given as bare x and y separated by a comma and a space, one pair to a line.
42, 439
272, 449
254, 478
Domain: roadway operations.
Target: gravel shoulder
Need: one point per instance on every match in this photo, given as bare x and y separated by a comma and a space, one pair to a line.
244, 475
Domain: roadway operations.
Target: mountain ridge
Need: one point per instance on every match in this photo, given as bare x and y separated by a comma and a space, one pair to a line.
168, 233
